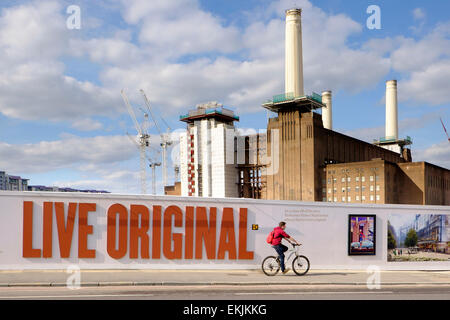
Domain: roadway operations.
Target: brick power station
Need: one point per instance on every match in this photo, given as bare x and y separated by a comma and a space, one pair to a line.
300, 157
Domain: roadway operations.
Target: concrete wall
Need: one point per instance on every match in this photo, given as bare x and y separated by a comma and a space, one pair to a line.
321, 227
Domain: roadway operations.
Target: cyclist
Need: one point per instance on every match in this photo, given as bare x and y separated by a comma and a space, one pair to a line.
278, 235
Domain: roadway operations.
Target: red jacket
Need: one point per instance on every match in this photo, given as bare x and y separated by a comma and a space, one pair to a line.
278, 235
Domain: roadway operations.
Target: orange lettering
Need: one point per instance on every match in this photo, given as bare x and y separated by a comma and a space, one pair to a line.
47, 233
243, 253
27, 250
84, 229
189, 233
169, 237
227, 232
156, 238
205, 233
123, 231
139, 232
65, 230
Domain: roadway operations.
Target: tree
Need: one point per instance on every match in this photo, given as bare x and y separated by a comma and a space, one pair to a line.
411, 238
392, 244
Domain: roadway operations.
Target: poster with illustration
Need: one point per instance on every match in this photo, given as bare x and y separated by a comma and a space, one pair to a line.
418, 237
361, 236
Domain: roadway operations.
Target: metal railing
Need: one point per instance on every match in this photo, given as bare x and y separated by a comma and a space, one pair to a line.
289, 96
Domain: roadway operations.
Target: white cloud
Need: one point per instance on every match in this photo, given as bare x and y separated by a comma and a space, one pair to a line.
174, 28
438, 154
33, 37
429, 86
87, 125
419, 14
68, 153
370, 134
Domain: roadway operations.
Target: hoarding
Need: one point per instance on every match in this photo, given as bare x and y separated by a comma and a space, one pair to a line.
45, 230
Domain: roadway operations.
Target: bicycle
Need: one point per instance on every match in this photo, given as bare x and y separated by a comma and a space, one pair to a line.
300, 265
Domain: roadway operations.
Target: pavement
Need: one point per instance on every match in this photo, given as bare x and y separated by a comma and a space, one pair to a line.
229, 292
97, 278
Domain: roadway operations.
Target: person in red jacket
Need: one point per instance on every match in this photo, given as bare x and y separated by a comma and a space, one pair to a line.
278, 235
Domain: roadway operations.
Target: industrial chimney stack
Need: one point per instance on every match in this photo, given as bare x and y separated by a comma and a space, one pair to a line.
391, 110
294, 53
327, 115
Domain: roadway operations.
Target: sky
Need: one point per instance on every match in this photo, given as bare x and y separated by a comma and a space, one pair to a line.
63, 122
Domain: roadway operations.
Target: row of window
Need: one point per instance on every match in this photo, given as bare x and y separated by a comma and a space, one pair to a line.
359, 170
357, 179
349, 199
349, 189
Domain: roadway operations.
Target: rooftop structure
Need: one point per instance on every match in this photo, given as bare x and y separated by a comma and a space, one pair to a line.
210, 110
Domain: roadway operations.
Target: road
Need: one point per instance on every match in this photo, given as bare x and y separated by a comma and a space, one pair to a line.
230, 292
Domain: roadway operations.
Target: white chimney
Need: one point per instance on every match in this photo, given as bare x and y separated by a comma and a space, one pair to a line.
294, 53
327, 111
391, 110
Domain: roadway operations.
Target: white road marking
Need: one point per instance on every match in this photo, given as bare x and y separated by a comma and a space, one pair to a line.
315, 292
78, 296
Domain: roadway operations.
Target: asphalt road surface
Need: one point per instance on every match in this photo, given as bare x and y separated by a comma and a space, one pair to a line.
285, 292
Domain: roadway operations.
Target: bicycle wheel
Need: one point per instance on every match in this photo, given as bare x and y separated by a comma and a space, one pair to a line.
270, 266
300, 265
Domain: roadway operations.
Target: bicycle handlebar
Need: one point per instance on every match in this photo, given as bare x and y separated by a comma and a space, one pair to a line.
295, 244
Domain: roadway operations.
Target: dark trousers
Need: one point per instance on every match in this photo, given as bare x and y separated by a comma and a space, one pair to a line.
281, 249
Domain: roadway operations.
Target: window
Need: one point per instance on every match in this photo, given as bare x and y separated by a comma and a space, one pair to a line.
349, 199
329, 190
357, 198
363, 198
324, 190
363, 188
349, 189
334, 180
371, 197
349, 179
357, 188
371, 178
324, 199
377, 178
335, 199
378, 197
343, 179
378, 187
335, 190
357, 179
343, 199
371, 188
343, 189
329, 180
330, 200
363, 179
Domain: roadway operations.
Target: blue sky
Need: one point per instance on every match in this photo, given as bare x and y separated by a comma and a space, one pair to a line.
62, 121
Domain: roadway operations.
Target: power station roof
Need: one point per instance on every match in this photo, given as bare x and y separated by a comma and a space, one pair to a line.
304, 103
201, 113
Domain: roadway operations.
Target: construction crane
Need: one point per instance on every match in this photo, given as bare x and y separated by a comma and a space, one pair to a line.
165, 137
143, 140
153, 166
177, 173
443, 126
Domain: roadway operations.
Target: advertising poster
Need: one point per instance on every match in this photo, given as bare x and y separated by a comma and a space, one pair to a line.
361, 235
418, 237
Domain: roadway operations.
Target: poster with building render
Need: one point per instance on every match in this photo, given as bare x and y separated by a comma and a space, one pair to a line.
361, 239
418, 237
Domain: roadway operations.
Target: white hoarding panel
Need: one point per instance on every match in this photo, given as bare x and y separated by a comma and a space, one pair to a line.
55, 230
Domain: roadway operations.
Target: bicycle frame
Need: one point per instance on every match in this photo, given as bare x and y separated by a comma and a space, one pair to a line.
290, 252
